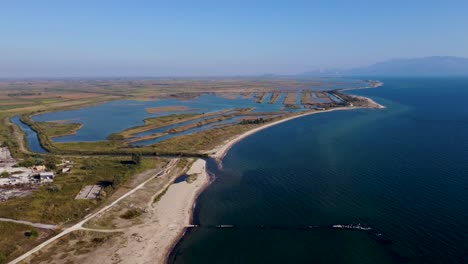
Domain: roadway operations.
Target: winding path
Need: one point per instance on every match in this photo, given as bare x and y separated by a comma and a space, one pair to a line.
38, 225
79, 226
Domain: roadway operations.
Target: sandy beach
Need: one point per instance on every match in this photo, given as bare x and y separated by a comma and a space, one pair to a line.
166, 222
152, 241
148, 239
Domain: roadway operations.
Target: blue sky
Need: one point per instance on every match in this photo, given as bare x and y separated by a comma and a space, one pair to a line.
196, 38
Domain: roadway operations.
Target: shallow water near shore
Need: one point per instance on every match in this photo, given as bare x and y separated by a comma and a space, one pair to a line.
403, 171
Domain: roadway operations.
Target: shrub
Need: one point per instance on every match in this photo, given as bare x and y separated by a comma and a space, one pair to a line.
2, 258
136, 158
54, 188
132, 213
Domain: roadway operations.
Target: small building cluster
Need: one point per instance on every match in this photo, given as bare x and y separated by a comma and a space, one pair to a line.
11, 175
22, 175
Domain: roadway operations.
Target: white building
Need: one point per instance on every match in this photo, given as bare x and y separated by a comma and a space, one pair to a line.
46, 176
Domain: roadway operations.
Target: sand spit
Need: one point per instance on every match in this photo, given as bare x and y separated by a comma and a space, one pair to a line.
219, 152
171, 108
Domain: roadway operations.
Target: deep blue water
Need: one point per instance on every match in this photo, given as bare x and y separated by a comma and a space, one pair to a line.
402, 170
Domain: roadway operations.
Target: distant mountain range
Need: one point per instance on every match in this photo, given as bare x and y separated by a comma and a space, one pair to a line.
429, 66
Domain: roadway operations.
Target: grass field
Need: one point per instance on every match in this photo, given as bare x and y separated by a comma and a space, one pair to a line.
58, 205
14, 239
156, 122
77, 243
202, 141
52, 129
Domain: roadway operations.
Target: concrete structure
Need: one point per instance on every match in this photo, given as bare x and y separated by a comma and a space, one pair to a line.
5, 181
5, 157
17, 176
46, 176
89, 192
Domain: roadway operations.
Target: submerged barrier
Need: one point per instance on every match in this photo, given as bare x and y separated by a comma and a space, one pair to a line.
339, 227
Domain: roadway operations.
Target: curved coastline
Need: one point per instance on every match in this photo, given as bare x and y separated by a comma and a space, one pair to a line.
220, 152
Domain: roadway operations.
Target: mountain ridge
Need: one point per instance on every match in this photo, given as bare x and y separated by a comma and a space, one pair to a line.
425, 66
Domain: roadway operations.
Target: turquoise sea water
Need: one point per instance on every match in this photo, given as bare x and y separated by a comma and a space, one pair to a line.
402, 170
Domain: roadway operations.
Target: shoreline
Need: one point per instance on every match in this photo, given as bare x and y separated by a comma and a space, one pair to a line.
207, 180
182, 209
220, 151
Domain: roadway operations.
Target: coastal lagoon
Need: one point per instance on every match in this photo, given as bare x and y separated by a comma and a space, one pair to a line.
100, 121
403, 171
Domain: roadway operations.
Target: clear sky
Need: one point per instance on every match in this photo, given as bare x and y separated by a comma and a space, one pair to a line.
193, 38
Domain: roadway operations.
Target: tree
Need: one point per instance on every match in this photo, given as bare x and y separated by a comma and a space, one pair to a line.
27, 163
136, 158
4, 174
2, 258
117, 181
51, 162
34, 233
39, 161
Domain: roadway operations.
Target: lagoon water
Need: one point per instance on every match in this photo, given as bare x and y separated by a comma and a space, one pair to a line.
102, 120
402, 170
31, 136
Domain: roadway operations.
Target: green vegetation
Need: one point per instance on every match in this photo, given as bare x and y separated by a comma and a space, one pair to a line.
136, 158
212, 120
202, 141
191, 178
31, 161
185, 163
132, 213
3, 258
159, 196
153, 123
58, 205
76, 243
205, 140
52, 129
255, 121
170, 119
32, 233
16, 238
9, 135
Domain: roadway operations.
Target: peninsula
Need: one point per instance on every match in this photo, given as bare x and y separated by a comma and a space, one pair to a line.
133, 199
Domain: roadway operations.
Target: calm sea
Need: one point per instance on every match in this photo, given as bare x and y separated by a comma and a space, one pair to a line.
403, 171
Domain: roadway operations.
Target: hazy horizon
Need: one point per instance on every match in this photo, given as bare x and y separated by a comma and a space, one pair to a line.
143, 38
